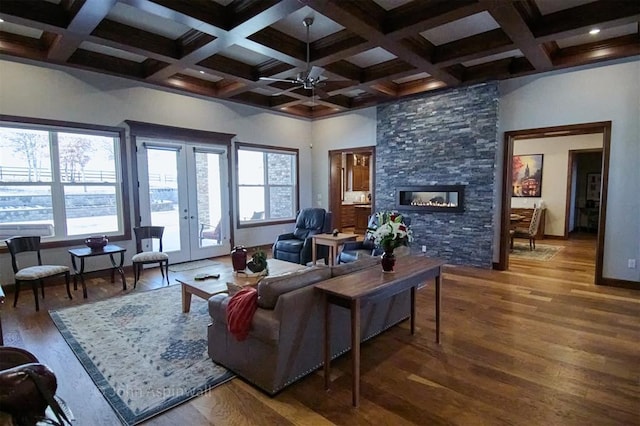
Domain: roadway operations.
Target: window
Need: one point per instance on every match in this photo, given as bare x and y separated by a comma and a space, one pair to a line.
267, 184
61, 183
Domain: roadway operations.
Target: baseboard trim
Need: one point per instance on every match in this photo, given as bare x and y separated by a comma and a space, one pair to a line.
614, 282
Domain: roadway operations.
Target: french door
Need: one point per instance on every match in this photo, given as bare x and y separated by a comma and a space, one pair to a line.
184, 187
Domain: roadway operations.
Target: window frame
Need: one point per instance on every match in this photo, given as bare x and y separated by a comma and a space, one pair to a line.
57, 126
296, 193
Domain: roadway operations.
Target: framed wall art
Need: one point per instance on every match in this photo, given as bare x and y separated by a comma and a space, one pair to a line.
527, 175
593, 186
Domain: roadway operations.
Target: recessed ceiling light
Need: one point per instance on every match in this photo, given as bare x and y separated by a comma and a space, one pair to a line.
1, 20
201, 72
594, 31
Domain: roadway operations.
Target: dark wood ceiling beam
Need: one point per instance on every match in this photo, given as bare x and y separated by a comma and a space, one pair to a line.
125, 35
605, 50
21, 46
85, 20
578, 20
385, 70
236, 36
41, 12
341, 13
419, 86
513, 24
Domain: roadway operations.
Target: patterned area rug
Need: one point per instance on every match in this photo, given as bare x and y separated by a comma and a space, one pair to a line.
541, 252
142, 352
196, 264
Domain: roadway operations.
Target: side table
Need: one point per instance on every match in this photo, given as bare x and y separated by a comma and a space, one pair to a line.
84, 252
334, 244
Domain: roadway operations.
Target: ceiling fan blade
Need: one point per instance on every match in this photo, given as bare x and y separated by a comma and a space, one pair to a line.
315, 73
284, 80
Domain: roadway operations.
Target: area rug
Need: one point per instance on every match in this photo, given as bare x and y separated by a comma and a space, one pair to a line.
541, 252
142, 352
196, 264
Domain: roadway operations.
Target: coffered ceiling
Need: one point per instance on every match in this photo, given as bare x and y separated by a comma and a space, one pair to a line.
371, 51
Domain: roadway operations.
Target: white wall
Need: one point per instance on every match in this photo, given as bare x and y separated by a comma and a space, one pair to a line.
86, 97
591, 94
352, 130
555, 169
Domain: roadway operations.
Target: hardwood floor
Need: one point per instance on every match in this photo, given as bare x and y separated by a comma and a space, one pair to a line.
539, 344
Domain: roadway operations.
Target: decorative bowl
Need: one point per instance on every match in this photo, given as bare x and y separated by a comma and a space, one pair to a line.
96, 242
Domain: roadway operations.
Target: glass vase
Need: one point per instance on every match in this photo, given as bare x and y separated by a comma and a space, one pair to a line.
388, 261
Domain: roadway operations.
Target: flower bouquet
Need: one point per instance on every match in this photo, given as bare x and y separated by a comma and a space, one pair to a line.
391, 232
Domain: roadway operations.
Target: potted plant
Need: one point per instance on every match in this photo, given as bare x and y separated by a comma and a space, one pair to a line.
258, 262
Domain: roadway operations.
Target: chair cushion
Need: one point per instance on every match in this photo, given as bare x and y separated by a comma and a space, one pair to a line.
150, 256
270, 288
291, 246
42, 271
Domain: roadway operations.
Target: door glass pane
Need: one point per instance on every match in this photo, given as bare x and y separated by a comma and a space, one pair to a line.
208, 198
163, 195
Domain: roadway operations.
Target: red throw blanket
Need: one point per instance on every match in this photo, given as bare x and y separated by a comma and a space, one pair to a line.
240, 312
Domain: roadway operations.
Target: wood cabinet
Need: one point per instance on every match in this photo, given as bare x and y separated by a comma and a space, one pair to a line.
524, 223
358, 172
347, 215
362, 218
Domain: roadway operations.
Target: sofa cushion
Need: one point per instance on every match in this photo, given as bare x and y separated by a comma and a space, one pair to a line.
347, 268
270, 288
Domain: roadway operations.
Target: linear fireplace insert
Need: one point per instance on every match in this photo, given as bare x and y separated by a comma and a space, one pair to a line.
433, 198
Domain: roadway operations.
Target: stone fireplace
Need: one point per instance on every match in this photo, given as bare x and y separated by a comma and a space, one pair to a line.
436, 163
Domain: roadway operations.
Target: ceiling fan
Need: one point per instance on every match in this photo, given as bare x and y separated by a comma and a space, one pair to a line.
308, 79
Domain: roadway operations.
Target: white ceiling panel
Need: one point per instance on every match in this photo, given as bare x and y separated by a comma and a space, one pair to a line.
20, 30
142, 20
391, 4
110, 51
292, 25
241, 54
604, 34
550, 6
462, 28
516, 53
411, 78
371, 57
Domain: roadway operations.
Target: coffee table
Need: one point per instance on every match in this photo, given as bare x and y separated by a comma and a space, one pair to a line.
211, 286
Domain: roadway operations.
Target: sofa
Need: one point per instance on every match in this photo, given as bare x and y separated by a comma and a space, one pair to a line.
285, 341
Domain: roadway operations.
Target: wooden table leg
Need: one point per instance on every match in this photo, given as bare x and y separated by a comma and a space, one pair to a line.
413, 310
327, 342
314, 253
355, 351
438, 302
186, 299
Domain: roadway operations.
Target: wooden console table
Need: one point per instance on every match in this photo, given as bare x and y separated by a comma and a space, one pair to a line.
369, 285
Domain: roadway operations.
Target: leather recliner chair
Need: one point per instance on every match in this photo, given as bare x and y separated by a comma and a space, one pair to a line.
296, 246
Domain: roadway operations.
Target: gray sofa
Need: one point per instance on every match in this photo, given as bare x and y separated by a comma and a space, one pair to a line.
286, 337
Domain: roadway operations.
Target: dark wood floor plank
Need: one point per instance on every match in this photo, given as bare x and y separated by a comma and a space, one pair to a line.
536, 345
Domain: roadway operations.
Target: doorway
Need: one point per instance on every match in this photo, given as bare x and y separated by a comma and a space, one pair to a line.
584, 200
184, 188
351, 188
601, 128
